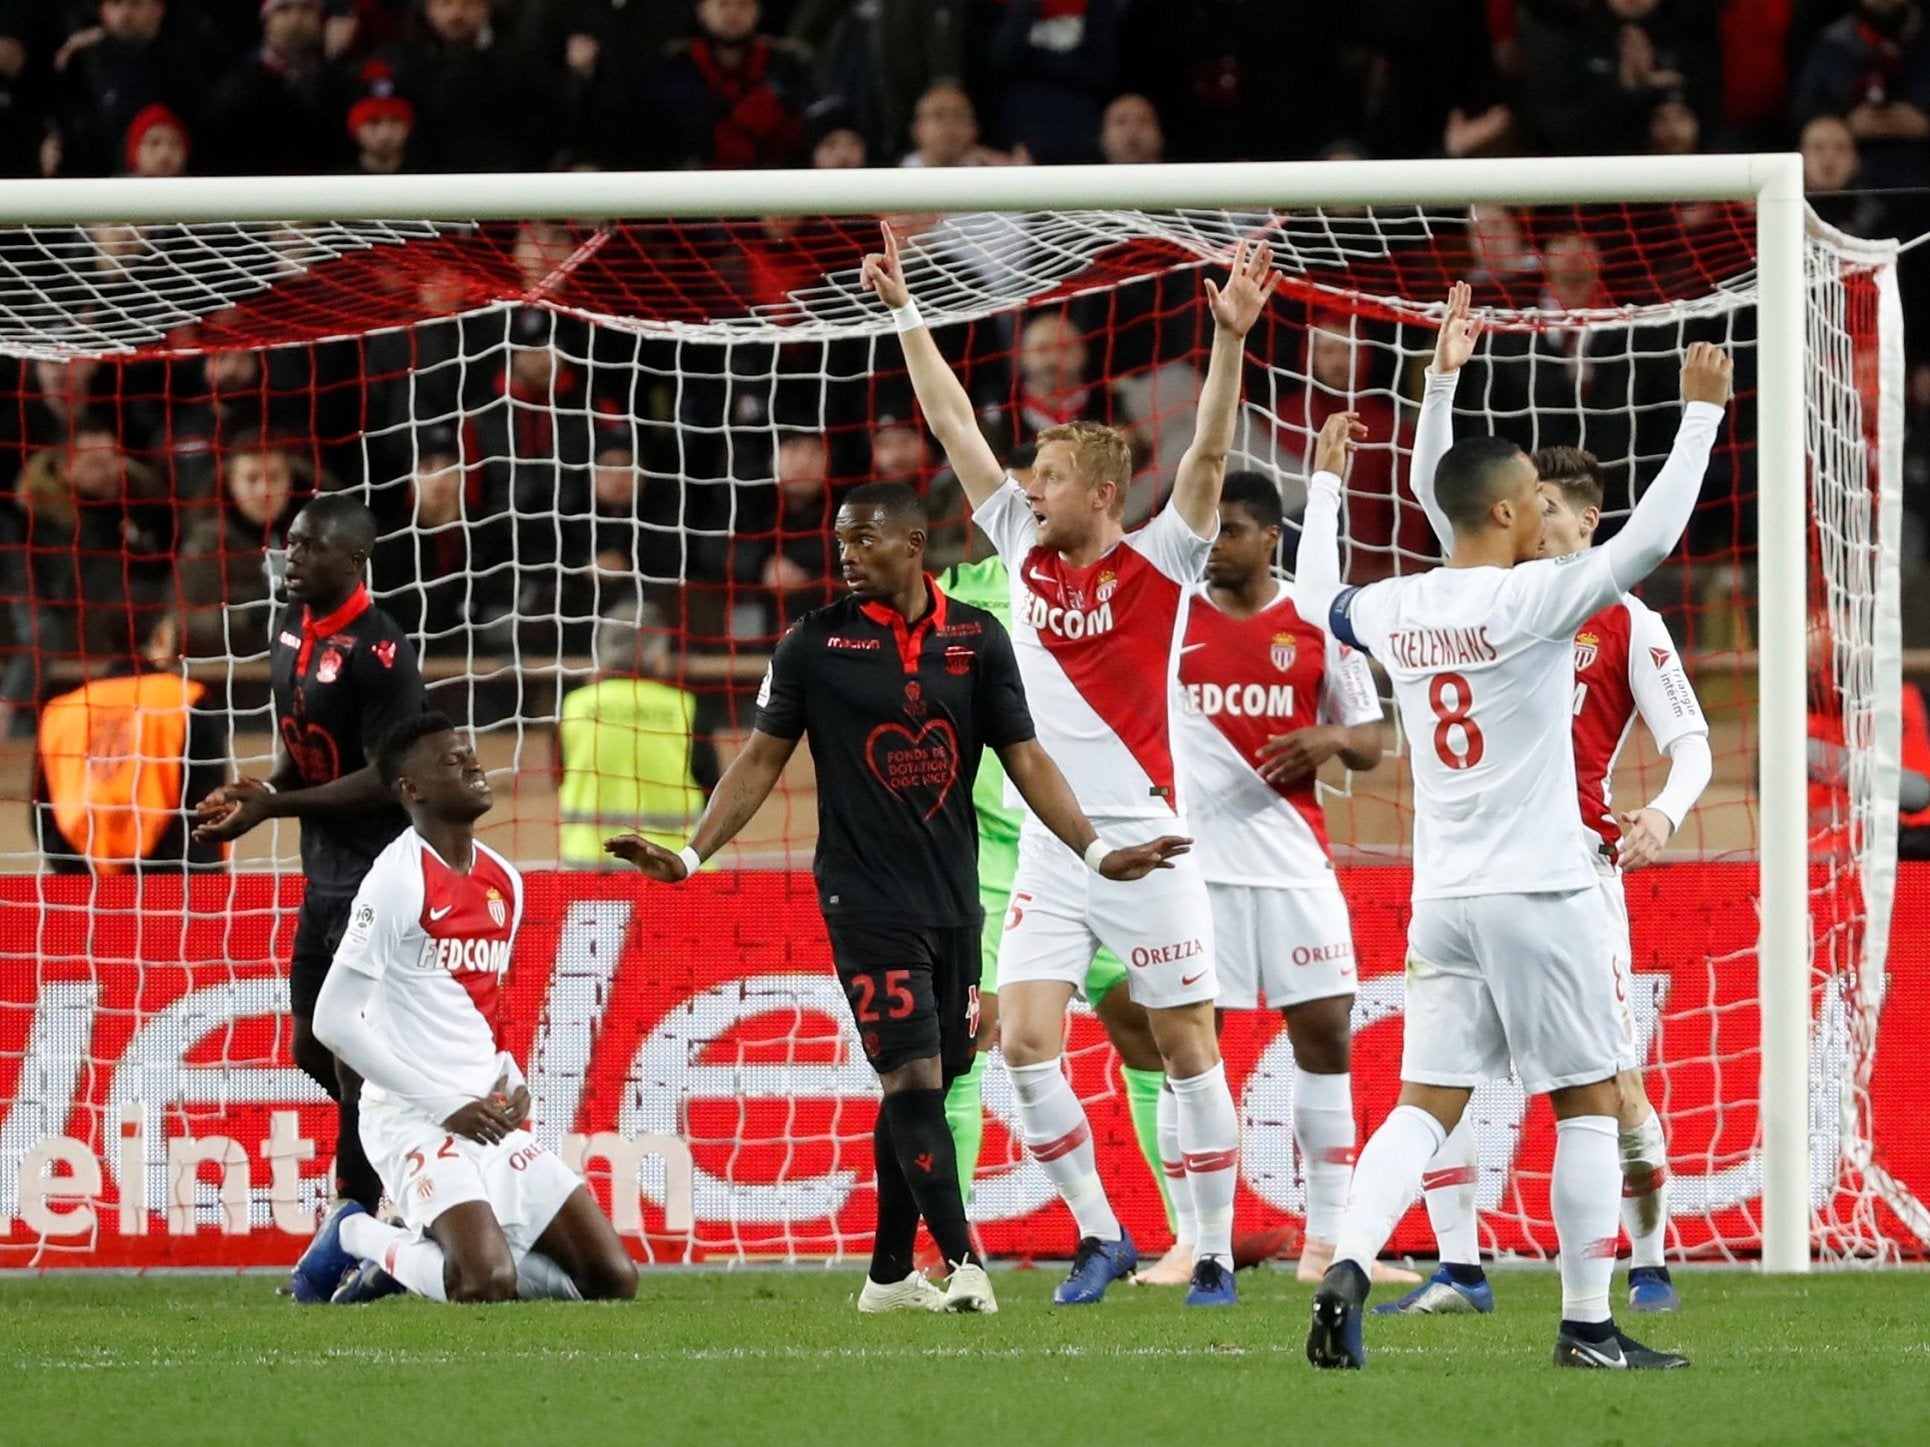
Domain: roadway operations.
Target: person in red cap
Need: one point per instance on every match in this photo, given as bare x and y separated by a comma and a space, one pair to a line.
380, 124
157, 143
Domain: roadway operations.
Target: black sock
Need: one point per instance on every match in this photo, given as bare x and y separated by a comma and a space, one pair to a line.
1590, 1331
929, 1159
1463, 1275
897, 1210
355, 1179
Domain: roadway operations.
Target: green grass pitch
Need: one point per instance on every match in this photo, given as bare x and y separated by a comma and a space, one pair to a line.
784, 1358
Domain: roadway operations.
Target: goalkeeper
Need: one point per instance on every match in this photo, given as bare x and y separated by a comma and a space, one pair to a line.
984, 585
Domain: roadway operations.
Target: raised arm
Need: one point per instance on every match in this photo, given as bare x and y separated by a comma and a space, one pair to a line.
746, 784
1316, 566
1665, 699
1049, 797
1202, 468
1434, 435
941, 397
1656, 525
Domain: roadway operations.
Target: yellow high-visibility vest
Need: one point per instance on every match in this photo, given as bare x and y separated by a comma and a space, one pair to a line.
626, 766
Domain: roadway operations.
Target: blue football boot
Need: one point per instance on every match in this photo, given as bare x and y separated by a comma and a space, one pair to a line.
1441, 1295
1095, 1266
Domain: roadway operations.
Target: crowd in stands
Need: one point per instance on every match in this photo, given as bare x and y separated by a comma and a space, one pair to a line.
139, 496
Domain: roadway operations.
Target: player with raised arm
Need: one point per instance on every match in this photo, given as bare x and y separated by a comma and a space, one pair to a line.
1626, 665
986, 585
1097, 617
1509, 931
900, 690
1267, 698
342, 674
488, 1213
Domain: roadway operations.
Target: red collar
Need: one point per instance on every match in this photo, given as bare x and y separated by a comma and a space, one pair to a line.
910, 637
314, 628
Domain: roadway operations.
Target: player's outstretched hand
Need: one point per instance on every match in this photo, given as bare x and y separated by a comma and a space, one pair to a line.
1645, 833
231, 811
1287, 757
1238, 306
483, 1121
1707, 372
1140, 860
1334, 448
884, 273
652, 858
1460, 330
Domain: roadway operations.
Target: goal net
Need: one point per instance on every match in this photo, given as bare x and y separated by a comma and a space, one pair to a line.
603, 450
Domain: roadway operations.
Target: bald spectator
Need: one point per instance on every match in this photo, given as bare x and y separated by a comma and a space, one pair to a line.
279, 111
1130, 133
944, 131
730, 98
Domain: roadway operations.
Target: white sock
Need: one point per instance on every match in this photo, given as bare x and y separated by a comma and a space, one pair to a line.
1645, 1213
413, 1260
1323, 1129
1172, 1161
1060, 1140
1448, 1183
1583, 1194
540, 1279
1209, 1137
1385, 1179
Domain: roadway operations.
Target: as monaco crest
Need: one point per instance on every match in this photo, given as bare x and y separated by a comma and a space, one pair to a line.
1586, 647
330, 668
1282, 652
498, 910
1105, 585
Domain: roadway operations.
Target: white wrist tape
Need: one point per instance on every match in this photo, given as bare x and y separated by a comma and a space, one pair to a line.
906, 318
692, 860
1096, 853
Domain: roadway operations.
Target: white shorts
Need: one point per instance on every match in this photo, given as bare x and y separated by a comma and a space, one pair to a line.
1621, 950
1061, 912
1521, 976
1293, 945
426, 1170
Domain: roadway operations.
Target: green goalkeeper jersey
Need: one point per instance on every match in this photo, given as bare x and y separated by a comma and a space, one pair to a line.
987, 585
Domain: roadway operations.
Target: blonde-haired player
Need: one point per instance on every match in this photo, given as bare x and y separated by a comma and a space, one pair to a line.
1097, 619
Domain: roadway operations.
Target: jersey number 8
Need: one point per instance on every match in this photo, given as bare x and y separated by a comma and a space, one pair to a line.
1452, 714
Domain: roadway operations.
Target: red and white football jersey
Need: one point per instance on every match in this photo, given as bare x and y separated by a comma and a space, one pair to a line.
1625, 664
1243, 680
1098, 648
437, 943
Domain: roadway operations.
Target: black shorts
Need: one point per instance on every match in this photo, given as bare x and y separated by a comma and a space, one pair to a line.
318, 932
913, 991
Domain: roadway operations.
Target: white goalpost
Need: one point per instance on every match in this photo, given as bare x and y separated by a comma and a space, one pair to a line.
1808, 420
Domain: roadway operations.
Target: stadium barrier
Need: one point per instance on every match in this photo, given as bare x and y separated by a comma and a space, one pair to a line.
694, 1042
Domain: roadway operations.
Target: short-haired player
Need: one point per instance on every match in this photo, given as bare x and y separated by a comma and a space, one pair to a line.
1097, 615
412, 1004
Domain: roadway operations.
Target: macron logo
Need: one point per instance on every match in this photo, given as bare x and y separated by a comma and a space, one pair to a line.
1660, 657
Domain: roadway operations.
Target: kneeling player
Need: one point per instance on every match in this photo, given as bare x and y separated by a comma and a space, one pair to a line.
488, 1213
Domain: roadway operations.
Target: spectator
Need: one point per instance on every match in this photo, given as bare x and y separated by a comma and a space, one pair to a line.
1674, 128
380, 124
229, 554
29, 35
1403, 68
119, 762
602, 47
875, 58
1052, 64
157, 144
628, 756
1053, 386
836, 142
636, 533
1831, 167
1503, 268
479, 105
137, 56
444, 574
94, 553
730, 98
1130, 133
1872, 67
279, 112
1594, 70
944, 132
784, 547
